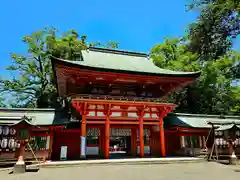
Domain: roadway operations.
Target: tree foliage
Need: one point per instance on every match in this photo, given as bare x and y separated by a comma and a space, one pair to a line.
33, 85
172, 54
2, 104
212, 93
211, 35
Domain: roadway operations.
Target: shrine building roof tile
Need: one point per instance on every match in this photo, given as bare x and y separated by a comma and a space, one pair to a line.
122, 61
39, 117
197, 120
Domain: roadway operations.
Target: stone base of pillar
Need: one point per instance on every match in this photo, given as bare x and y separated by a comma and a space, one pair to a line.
233, 159
83, 157
19, 168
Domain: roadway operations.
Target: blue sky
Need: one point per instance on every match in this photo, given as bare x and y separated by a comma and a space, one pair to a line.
137, 25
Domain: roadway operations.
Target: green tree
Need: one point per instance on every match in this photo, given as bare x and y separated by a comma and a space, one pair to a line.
173, 54
2, 104
236, 96
211, 36
218, 24
212, 93
34, 87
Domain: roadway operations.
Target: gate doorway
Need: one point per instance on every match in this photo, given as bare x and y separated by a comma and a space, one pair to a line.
120, 142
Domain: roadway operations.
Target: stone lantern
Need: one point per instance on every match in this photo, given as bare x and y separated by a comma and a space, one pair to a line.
23, 129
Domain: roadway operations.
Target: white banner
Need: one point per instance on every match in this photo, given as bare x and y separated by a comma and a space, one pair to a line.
48, 143
63, 153
83, 146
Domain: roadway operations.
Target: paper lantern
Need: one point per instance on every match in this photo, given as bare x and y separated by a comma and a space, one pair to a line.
11, 143
221, 141
1, 130
236, 142
17, 145
225, 142
220, 133
4, 143
5, 130
12, 131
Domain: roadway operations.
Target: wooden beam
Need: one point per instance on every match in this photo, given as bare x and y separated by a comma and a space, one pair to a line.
111, 75
90, 118
121, 102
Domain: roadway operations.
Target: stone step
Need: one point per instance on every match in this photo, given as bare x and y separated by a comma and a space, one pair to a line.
122, 161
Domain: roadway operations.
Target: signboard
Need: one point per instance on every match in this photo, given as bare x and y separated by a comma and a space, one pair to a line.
63, 153
23, 133
83, 146
48, 142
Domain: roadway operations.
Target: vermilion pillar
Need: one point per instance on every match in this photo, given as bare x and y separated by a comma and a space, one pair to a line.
141, 132
134, 141
162, 138
162, 113
107, 137
83, 132
107, 131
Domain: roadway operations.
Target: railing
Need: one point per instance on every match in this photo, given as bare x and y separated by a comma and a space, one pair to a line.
121, 98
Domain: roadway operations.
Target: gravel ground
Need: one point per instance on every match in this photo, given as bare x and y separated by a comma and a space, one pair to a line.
185, 171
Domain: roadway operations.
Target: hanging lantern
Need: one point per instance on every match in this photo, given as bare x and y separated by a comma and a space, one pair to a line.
11, 143
237, 133
221, 141
236, 142
4, 143
217, 142
1, 130
15, 144
12, 131
225, 142
220, 133
5, 130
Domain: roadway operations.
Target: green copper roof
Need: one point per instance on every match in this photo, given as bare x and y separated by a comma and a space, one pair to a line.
131, 62
37, 116
196, 120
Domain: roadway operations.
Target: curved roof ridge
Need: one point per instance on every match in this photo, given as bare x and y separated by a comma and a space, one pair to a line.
121, 63
205, 115
118, 51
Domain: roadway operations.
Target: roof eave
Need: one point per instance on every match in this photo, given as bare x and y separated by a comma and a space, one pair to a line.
55, 60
